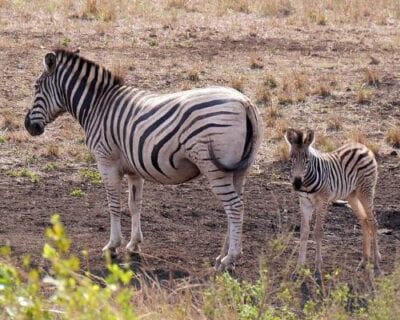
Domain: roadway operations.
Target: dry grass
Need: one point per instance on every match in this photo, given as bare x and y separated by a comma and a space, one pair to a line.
17, 136
282, 152
263, 95
393, 137
52, 150
9, 121
295, 11
363, 96
323, 90
103, 10
359, 136
326, 144
334, 123
193, 75
256, 62
237, 83
371, 77
270, 81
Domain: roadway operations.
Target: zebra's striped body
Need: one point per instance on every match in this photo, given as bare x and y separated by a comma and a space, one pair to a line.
168, 138
349, 172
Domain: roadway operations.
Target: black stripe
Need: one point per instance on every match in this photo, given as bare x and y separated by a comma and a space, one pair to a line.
148, 132
194, 133
156, 150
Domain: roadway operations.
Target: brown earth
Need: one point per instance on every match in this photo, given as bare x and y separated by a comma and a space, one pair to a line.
184, 225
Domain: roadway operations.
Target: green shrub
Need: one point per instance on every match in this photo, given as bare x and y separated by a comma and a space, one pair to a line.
91, 175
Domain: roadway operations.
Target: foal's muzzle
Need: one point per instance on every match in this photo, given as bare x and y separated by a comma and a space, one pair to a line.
35, 128
297, 183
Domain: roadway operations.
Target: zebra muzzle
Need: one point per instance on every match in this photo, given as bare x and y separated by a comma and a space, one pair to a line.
297, 183
35, 128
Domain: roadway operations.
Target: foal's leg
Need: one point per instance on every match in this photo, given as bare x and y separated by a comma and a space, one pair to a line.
318, 235
366, 198
363, 218
307, 209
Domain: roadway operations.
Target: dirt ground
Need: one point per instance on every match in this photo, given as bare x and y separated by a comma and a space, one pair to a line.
184, 225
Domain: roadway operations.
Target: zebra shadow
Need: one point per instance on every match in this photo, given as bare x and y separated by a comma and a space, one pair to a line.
146, 273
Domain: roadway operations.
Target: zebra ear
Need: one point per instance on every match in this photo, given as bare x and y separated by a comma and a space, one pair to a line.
291, 136
309, 138
49, 62
76, 51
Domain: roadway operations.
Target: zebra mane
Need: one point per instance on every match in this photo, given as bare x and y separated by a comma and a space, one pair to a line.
70, 54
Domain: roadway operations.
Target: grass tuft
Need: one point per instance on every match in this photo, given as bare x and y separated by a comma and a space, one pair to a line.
393, 137
91, 175
24, 173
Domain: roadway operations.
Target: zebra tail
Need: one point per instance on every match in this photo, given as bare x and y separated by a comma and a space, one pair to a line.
253, 134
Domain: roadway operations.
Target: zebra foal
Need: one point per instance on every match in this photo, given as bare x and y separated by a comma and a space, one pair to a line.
166, 138
349, 172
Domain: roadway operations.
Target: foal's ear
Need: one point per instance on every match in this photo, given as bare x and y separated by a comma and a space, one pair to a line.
293, 136
49, 62
309, 139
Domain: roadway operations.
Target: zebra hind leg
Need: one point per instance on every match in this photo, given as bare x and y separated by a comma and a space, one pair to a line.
224, 189
135, 186
238, 180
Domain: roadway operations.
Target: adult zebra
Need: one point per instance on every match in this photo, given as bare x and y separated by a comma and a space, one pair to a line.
349, 172
167, 138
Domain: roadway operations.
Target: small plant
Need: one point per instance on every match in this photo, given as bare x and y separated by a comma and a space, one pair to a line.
323, 91
51, 166
93, 176
153, 43
393, 137
334, 123
256, 63
270, 81
52, 150
2, 139
77, 192
238, 83
363, 96
193, 75
263, 95
66, 42
371, 77
326, 144
24, 173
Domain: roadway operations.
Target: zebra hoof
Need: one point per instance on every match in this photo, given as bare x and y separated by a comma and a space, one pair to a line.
377, 271
360, 267
224, 264
294, 276
111, 252
318, 277
133, 248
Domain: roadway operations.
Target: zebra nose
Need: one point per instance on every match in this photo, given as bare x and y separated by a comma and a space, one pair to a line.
297, 183
34, 129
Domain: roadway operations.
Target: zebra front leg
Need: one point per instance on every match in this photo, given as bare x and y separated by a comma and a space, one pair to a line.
135, 185
307, 209
112, 181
